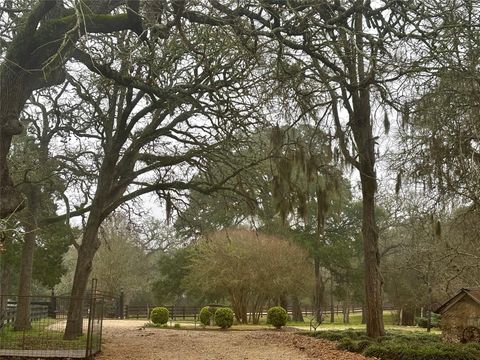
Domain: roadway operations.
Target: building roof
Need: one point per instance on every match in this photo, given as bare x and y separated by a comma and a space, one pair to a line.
473, 293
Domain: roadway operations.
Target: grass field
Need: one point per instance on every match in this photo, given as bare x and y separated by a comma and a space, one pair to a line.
43, 335
354, 324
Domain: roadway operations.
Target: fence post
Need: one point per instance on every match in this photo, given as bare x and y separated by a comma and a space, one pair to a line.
91, 312
52, 306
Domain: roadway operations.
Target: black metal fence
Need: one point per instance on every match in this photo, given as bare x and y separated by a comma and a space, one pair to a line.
190, 313
43, 338
176, 312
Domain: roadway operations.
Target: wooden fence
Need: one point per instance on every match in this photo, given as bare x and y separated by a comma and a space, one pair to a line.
37, 312
191, 312
176, 312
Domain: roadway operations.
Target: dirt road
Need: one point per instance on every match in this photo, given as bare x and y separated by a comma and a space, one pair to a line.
129, 340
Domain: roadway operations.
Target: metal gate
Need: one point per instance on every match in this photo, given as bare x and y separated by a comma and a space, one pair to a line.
48, 316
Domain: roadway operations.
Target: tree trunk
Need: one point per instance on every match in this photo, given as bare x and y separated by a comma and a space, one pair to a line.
86, 253
346, 312
361, 125
407, 316
236, 312
239, 308
319, 291
296, 309
373, 278
5, 279
283, 301
22, 318
332, 304
257, 307
243, 311
429, 318
364, 314
34, 44
90, 244
5, 265
14, 93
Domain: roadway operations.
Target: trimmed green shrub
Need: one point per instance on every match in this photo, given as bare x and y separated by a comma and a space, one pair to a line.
277, 316
224, 317
159, 315
206, 315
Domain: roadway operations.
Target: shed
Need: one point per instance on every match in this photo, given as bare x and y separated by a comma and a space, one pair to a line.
460, 320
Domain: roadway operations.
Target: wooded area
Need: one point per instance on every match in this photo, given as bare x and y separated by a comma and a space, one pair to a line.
272, 152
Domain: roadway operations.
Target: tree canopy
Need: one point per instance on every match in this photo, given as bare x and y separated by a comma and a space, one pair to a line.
277, 116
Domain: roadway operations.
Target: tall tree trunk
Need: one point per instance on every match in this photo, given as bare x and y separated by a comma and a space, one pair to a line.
86, 253
296, 309
332, 304
373, 277
35, 43
5, 277
361, 125
346, 311
430, 302
283, 301
5, 264
14, 92
319, 290
364, 314
22, 318
90, 244
407, 316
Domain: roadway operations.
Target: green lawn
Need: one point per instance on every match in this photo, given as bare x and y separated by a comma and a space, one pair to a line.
39, 337
355, 319
356, 323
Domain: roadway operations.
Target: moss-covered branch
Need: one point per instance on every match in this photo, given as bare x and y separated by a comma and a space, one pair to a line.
34, 17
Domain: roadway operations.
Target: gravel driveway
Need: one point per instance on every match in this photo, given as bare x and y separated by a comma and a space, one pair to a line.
127, 339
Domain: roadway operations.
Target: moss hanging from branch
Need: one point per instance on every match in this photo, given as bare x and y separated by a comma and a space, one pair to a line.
303, 171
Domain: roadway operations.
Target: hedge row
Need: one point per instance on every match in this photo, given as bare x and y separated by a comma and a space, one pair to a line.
395, 346
223, 316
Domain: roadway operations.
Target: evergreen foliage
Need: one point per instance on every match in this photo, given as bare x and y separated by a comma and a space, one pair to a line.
277, 316
401, 346
206, 315
159, 315
224, 317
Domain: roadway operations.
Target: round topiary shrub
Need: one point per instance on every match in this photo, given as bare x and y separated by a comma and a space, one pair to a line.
159, 315
206, 315
224, 317
277, 316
